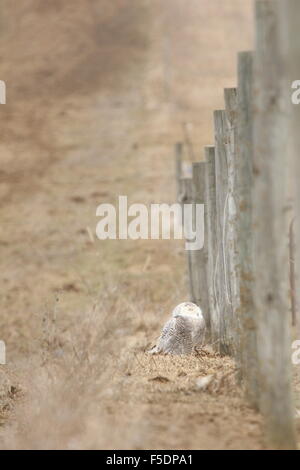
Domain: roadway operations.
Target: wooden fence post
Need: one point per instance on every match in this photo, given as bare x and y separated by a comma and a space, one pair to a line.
270, 229
231, 217
198, 258
186, 198
178, 168
288, 16
244, 181
210, 223
222, 282
292, 262
289, 12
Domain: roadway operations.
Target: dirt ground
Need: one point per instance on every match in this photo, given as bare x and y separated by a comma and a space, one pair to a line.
97, 94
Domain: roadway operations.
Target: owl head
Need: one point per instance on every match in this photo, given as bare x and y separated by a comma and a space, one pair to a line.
187, 309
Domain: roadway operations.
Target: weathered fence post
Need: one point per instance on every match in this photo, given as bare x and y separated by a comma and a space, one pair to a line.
222, 282
244, 181
210, 223
198, 258
231, 216
271, 231
186, 198
292, 255
289, 13
178, 168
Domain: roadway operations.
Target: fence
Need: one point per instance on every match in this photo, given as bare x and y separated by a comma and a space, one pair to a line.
241, 277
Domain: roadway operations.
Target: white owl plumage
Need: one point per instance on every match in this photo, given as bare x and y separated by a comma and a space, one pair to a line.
183, 332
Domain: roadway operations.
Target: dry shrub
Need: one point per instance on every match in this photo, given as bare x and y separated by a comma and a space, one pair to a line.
70, 378
78, 378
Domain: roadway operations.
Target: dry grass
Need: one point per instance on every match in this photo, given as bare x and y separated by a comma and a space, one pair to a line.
77, 374
90, 381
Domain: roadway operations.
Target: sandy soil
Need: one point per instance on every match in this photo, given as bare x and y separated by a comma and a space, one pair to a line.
97, 96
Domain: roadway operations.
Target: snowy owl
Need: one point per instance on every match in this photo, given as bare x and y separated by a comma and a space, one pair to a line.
183, 332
